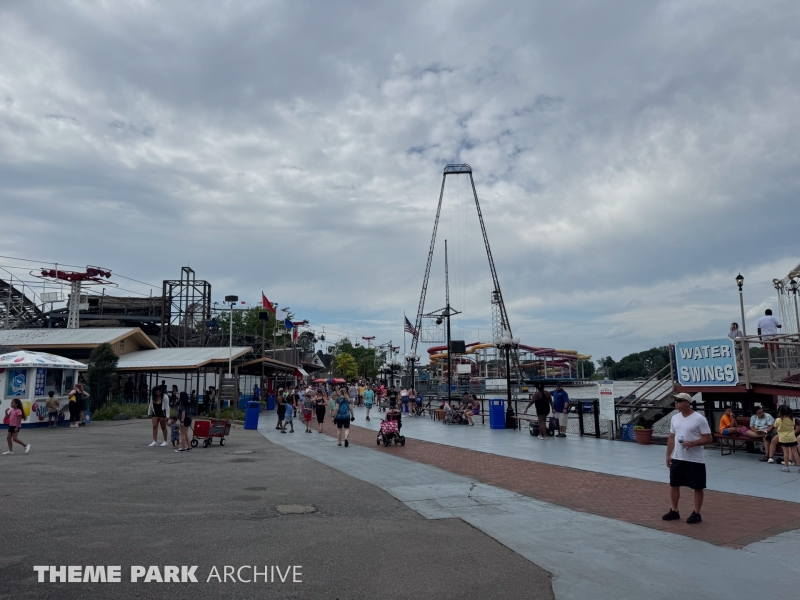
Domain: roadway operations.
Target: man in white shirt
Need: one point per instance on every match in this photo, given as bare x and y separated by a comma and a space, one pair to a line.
768, 328
688, 433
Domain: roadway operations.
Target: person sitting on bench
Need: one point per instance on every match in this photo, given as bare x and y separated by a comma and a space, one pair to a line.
728, 426
466, 408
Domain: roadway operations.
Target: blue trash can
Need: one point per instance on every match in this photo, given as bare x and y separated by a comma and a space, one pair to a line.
251, 415
270, 401
497, 414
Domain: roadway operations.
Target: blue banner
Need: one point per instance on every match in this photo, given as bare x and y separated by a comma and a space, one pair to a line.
710, 363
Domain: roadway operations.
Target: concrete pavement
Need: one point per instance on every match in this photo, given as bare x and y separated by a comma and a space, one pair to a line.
590, 556
100, 496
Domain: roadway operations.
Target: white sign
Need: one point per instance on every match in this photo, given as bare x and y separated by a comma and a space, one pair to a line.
606, 389
464, 369
707, 363
496, 384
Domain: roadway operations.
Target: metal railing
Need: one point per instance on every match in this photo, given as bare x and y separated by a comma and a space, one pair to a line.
766, 360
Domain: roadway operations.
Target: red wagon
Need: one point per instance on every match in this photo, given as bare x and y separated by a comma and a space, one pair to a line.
205, 430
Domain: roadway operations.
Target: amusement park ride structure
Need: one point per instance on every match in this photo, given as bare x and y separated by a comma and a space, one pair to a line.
543, 362
503, 326
77, 279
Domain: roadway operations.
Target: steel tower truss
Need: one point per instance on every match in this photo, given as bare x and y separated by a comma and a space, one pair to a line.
185, 308
497, 294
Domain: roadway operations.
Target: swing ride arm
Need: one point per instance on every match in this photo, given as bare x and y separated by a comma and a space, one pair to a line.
496, 282
418, 324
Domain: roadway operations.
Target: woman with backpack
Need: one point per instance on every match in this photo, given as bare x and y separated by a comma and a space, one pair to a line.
344, 414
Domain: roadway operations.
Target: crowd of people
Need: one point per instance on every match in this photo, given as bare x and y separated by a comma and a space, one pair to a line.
309, 402
770, 432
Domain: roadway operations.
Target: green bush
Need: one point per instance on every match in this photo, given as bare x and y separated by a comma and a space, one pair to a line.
112, 409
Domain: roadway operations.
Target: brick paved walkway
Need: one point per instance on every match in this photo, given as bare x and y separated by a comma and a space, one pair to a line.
623, 498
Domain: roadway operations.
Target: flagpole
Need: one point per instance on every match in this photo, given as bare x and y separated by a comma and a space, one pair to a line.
404, 333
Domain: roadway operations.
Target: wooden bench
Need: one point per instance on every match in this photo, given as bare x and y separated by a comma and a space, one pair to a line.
520, 418
735, 441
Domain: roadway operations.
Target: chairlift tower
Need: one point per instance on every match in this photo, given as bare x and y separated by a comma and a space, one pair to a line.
500, 322
77, 279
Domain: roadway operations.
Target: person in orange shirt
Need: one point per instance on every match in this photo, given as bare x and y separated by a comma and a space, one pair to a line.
728, 426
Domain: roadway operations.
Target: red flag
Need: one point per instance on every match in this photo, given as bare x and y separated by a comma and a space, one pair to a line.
295, 333
267, 304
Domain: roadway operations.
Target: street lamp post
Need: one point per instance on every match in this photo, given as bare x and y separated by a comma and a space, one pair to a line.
393, 364
232, 300
412, 357
506, 344
793, 289
740, 282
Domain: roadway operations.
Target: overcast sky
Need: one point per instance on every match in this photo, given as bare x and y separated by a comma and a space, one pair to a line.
630, 157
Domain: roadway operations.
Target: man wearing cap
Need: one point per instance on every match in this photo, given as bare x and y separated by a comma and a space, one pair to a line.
560, 408
688, 433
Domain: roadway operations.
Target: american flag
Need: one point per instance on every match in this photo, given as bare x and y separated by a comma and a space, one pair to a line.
409, 328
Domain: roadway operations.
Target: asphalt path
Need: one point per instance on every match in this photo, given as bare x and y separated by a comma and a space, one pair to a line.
100, 496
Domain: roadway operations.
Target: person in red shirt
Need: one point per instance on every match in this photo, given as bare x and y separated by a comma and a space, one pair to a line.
15, 417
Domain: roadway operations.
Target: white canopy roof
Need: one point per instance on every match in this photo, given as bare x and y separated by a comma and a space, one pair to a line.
22, 359
177, 358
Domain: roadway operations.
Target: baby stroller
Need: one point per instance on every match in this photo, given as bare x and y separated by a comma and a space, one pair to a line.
390, 432
453, 417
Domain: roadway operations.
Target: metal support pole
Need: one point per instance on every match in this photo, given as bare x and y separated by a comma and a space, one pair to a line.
508, 383
230, 345
596, 411
741, 306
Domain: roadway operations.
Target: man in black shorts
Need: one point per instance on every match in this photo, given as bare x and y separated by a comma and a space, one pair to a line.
688, 433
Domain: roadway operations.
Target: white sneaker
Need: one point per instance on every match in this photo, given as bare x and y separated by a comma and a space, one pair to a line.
27, 448
770, 461
8, 452
151, 444
164, 443
541, 437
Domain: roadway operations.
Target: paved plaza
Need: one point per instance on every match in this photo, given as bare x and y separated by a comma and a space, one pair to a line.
600, 535
567, 518
100, 496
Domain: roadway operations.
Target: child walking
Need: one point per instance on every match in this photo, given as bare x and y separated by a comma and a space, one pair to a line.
288, 419
15, 417
174, 431
784, 425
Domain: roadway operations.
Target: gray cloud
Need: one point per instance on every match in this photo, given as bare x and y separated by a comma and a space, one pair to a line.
622, 151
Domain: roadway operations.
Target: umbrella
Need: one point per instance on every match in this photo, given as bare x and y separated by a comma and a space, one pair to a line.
22, 359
